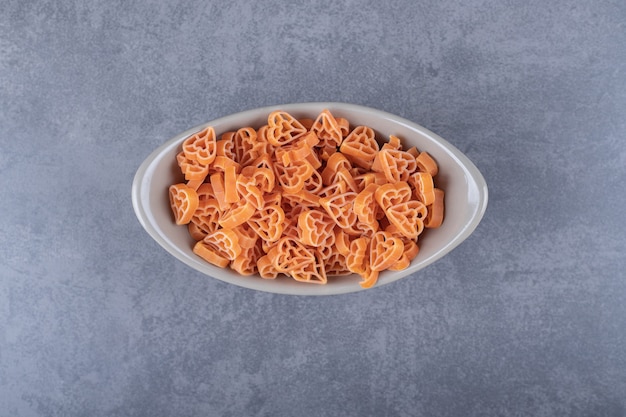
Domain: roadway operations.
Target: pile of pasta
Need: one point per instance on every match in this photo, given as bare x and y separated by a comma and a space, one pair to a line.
306, 198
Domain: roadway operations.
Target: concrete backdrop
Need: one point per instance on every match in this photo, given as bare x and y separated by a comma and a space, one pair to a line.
526, 318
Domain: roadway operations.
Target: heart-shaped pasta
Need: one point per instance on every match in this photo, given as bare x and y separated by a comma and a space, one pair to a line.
423, 187
205, 219
365, 205
315, 227
192, 169
293, 176
327, 129
183, 201
283, 128
385, 250
360, 147
434, 218
388, 195
341, 208
201, 147
306, 198
290, 255
268, 222
408, 217
312, 272
395, 164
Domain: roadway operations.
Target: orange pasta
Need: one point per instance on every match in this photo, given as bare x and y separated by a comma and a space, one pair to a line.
184, 202
308, 198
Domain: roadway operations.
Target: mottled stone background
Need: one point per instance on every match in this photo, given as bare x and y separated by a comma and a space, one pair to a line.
526, 318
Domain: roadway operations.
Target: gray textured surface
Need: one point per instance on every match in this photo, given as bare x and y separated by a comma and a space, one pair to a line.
527, 317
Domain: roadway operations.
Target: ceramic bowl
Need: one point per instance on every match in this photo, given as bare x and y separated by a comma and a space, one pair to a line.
464, 186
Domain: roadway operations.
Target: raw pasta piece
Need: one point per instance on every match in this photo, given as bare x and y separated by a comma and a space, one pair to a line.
268, 222
388, 195
327, 129
195, 184
314, 159
362, 229
221, 162
358, 262
290, 228
290, 255
312, 272
315, 227
263, 146
356, 170
357, 259
395, 164
195, 232
294, 152
363, 180
205, 218
402, 263
413, 151
327, 247
292, 212
183, 201
408, 217
266, 268
411, 249
230, 185
223, 242
246, 148
336, 162
292, 177
226, 146
384, 250
345, 176
236, 214
426, 163
249, 190
314, 183
191, 169
365, 205
342, 241
310, 139
205, 192
264, 161
370, 278
341, 208
360, 146
201, 146
423, 187
332, 190
210, 255
393, 143
344, 126
217, 183
246, 236
264, 178
335, 265
246, 262
302, 198
434, 218
275, 198
324, 152
283, 128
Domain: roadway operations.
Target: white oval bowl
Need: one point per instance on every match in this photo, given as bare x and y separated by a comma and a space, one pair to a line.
464, 186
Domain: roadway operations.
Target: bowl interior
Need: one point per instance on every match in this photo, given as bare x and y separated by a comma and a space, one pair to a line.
464, 186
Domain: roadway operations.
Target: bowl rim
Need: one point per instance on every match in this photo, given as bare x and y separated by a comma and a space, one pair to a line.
141, 181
